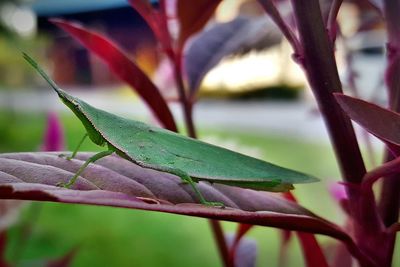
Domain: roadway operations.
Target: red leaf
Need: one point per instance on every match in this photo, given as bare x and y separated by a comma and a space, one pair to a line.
193, 15
381, 122
313, 254
312, 251
123, 67
156, 19
116, 182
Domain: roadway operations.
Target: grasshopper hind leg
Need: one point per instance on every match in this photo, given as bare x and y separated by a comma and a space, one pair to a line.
188, 180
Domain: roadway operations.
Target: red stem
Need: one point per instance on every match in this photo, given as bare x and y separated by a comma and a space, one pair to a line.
187, 108
319, 63
188, 117
331, 22
186, 104
390, 200
394, 228
387, 169
389, 204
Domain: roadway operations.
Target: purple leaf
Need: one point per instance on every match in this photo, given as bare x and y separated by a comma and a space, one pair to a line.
123, 67
382, 123
54, 135
246, 251
240, 232
116, 182
224, 39
378, 4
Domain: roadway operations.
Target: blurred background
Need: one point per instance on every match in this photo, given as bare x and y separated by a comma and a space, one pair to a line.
255, 101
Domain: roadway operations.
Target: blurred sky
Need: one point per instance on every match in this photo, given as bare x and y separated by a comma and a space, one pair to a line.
53, 7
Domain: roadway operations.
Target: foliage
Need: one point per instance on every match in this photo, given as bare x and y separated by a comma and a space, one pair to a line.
372, 218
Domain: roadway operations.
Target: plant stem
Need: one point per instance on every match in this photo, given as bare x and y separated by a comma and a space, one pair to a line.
331, 21
187, 106
188, 117
318, 60
389, 204
221, 243
390, 200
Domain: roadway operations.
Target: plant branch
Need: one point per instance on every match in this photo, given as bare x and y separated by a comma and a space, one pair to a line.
221, 243
331, 22
187, 106
386, 169
273, 12
319, 63
389, 204
390, 197
318, 60
188, 117
394, 228
354, 250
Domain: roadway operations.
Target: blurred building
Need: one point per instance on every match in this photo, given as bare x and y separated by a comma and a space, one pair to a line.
71, 63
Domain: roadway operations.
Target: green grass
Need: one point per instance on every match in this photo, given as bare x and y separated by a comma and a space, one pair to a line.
120, 237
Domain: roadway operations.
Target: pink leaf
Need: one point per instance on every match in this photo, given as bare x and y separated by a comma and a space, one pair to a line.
123, 67
382, 123
54, 135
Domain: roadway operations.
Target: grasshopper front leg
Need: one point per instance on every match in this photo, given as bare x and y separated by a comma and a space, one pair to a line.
76, 149
84, 166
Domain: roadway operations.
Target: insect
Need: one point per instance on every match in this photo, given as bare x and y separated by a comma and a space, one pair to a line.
166, 151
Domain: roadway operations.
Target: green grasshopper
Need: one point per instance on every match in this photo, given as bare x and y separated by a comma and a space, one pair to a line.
166, 151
